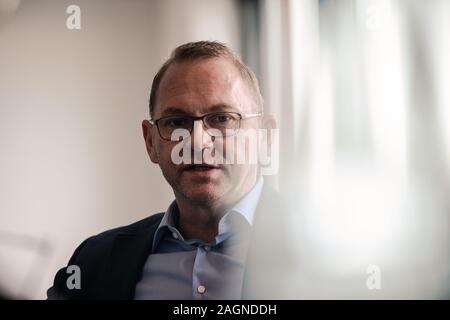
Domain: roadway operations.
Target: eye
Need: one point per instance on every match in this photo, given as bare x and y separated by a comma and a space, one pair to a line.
176, 122
221, 118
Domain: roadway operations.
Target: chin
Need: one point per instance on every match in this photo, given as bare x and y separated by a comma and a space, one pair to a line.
202, 194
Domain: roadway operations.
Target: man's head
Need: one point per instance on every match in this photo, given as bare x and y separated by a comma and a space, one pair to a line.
202, 78
203, 50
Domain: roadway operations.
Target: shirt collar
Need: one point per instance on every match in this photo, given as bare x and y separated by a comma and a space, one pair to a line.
168, 221
246, 207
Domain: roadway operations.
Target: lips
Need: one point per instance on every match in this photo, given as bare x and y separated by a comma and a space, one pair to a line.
200, 167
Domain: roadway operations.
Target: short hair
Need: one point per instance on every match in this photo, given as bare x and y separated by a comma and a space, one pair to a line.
199, 50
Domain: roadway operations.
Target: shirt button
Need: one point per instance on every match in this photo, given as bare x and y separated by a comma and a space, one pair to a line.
174, 235
207, 248
201, 289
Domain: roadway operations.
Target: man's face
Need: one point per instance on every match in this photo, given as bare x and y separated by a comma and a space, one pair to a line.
197, 88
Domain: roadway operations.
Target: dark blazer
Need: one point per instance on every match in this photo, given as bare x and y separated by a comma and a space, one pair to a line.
111, 262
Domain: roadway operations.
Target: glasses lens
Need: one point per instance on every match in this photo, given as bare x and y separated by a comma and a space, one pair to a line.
227, 123
168, 125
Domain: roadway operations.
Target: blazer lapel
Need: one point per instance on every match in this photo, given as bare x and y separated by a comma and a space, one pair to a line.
124, 268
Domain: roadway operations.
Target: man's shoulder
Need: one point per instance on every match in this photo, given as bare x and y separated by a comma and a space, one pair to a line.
96, 247
134, 228
93, 257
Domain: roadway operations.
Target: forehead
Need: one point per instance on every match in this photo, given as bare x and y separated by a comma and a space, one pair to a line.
197, 86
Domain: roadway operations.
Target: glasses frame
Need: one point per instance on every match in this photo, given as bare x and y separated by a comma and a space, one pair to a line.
241, 117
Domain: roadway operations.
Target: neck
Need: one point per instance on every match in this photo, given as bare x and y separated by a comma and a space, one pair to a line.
201, 220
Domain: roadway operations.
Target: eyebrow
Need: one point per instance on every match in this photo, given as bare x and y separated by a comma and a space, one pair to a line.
222, 107
173, 110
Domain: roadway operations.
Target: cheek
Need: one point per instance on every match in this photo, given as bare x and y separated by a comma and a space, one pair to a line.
236, 149
163, 152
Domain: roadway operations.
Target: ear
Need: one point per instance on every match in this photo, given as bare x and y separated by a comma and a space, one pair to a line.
147, 130
269, 123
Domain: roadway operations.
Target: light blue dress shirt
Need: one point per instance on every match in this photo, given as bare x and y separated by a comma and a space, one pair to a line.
186, 269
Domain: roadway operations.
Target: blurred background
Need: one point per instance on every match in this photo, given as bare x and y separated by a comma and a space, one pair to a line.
359, 89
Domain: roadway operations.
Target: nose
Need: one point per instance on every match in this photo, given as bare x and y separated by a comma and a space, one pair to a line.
201, 140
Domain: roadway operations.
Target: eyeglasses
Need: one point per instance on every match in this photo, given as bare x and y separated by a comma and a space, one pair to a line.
223, 123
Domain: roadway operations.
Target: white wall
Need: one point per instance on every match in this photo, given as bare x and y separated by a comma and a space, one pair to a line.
73, 161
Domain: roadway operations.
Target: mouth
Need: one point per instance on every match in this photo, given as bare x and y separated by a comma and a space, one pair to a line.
200, 167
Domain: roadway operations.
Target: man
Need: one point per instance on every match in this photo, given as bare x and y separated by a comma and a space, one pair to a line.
202, 246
